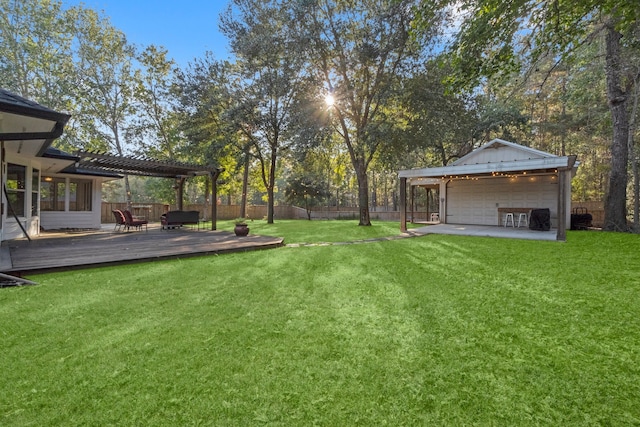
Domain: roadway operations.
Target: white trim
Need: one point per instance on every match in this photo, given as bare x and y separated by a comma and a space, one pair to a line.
485, 168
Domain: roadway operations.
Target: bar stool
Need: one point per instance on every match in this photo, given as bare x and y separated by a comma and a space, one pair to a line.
507, 217
521, 217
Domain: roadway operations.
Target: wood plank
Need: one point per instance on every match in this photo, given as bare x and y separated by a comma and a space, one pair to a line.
64, 251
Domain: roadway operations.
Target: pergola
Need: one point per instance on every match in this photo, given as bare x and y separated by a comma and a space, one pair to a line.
95, 163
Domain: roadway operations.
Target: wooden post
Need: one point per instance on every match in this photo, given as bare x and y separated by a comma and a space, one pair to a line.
412, 196
403, 204
562, 207
214, 199
564, 178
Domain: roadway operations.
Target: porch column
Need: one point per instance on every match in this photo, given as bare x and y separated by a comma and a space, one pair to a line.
562, 207
564, 180
412, 195
403, 204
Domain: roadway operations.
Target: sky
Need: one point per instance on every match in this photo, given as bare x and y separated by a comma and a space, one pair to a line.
186, 28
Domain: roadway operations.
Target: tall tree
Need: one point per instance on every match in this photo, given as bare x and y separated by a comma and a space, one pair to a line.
269, 80
359, 50
156, 127
203, 93
36, 43
493, 33
107, 82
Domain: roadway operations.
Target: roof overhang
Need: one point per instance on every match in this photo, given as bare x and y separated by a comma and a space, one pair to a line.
26, 127
544, 165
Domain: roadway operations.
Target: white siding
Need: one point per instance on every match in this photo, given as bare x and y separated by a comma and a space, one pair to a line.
477, 201
55, 220
496, 155
62, 220
13, 231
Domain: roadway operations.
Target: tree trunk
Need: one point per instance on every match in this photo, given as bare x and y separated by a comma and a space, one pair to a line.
633, 152
245, 184
127, 192
615, 212
636, 192
363, 193
271, 186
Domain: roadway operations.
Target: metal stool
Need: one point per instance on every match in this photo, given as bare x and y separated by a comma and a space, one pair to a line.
521, 217
507, 217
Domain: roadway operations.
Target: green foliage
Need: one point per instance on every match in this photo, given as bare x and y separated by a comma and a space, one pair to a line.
156, 130
36, 42
439, 330
306, 190
360, 51
268, 82
106, 80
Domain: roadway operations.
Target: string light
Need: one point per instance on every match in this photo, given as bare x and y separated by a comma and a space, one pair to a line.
512, 176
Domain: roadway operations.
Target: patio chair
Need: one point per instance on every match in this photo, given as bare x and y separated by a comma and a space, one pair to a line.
120, 219
136, 223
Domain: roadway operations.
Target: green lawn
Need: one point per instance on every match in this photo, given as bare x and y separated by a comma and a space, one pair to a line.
433, 330
302, 231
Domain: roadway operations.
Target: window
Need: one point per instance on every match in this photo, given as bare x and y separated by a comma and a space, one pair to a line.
16, 182
52, 194
80, 194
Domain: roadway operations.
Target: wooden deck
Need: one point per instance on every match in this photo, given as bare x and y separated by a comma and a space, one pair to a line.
63, 251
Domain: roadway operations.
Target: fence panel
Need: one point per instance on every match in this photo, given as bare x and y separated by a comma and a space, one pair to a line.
152, 212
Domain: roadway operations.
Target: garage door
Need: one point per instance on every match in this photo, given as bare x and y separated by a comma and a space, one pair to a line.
477, 202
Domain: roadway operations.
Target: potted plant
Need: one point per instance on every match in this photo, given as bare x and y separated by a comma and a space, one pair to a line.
241, 228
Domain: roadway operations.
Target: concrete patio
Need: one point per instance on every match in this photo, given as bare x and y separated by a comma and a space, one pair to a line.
487, 231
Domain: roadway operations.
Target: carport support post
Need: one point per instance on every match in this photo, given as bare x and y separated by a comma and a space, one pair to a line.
564, 178
403, 204
562, 207
412, 196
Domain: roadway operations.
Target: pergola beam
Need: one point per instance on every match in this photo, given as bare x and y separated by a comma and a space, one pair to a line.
143, 166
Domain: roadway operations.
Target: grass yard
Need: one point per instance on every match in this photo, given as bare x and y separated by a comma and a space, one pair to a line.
321, 231
433, 330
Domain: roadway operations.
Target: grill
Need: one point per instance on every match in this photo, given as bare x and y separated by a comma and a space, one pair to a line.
581, 219
540, 220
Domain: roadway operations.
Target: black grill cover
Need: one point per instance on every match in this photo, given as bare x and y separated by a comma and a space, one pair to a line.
581, 219
540, 220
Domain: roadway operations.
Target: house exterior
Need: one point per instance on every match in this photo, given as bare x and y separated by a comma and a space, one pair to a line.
41, 187
497, 177
44, 188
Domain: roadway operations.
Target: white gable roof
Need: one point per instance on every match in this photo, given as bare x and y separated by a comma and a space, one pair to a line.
498, 156
499, 151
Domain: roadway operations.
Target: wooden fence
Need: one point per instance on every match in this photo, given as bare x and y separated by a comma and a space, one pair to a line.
596, 209
152, 212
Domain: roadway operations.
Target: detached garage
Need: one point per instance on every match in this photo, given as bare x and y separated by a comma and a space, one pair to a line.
498, 178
